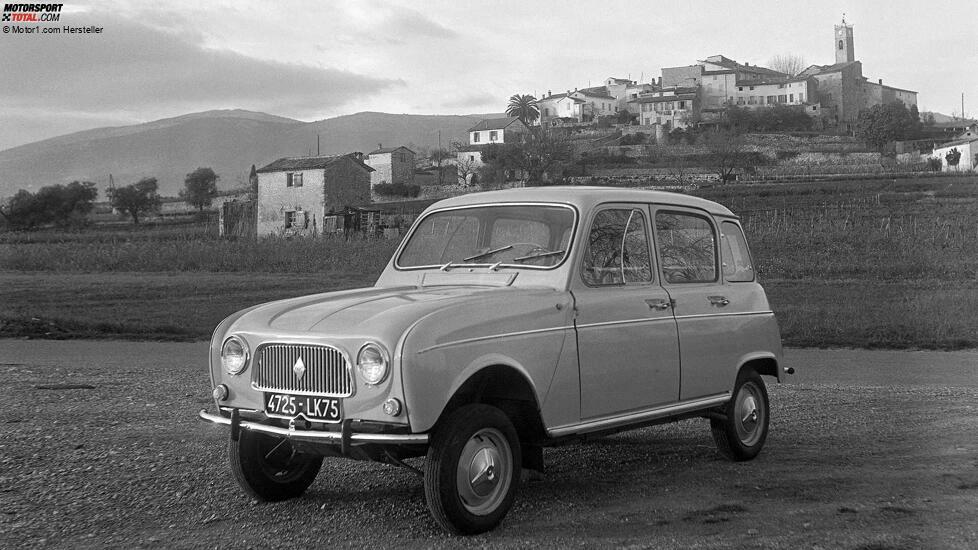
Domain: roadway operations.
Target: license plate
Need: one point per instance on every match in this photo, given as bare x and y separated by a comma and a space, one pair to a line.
323, 409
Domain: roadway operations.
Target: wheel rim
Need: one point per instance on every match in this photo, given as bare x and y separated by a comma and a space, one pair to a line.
485, 471
749, 414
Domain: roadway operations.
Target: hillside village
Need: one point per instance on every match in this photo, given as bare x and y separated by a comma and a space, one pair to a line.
632, 133
715, 120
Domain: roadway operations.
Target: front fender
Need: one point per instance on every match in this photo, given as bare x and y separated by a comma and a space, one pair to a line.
445, 349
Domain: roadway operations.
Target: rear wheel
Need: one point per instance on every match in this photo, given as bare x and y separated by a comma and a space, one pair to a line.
472, 470
269, 468
741, 433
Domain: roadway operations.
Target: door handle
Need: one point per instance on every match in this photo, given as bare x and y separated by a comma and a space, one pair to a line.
718, 301
658, 304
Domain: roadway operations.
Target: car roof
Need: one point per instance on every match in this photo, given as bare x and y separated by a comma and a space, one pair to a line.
583, 197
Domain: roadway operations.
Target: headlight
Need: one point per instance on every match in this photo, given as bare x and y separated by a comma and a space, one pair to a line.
372, 363
234, 355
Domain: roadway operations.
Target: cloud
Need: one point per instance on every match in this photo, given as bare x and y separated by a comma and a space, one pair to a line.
410, 23
133, 66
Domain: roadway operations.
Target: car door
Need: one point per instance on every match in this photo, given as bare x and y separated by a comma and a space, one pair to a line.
627, 338
688, 251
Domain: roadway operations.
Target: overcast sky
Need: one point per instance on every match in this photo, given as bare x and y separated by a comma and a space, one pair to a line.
314, 60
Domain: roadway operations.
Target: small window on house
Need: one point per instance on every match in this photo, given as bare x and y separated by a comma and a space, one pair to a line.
841, 45
791, 98
475, 137
472, 158
752, 88
546, 111
782, 99
293, 179
290, 219
771, 100
752, 100
493, 135
682, 104
740, 88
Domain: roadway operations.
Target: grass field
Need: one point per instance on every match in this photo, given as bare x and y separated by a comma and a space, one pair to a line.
879, 263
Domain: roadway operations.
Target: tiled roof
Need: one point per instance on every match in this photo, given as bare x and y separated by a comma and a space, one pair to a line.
821, 69
599, 92
383, 150
662, 99
308, 163
493, 124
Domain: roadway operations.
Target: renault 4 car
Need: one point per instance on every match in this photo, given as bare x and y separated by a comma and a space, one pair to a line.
505, 322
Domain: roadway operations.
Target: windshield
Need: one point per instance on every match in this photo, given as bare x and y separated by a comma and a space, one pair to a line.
534, 235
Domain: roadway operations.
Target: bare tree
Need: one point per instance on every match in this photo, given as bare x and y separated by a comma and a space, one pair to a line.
789, 64
465, 163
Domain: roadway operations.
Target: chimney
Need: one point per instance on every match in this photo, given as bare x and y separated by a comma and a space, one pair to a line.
881, 82
549, 93
380, 146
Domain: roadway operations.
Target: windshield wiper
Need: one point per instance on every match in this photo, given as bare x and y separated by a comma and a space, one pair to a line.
487, 253
540, 255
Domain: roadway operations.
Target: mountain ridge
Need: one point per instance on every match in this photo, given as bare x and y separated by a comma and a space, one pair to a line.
228, 141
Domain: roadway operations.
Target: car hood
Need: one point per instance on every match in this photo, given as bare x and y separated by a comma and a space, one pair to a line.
373, 311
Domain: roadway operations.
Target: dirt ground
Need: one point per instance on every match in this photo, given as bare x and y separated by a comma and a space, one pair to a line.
100, 447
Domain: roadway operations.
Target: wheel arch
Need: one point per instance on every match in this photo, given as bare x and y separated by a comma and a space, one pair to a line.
763, 364
507, 389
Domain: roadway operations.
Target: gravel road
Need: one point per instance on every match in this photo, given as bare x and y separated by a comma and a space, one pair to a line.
100, 447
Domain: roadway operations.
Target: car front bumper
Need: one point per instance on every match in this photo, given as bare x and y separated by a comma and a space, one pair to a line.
343, 438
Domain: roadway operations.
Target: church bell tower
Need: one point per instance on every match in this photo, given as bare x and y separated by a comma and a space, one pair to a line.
843, 43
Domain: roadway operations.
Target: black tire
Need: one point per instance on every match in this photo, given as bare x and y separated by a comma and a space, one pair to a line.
472, 470
741, 433
269, 469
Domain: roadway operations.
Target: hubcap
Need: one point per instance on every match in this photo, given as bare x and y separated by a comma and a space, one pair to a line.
484, 471
749, 414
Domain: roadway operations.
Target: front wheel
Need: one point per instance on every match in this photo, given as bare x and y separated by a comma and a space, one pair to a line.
741, 432
269, 468
472, 470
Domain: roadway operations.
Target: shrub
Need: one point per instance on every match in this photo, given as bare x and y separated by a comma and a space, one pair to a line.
397, 189
633, 139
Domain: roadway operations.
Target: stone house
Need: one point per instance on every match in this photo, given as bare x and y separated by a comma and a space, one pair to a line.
468, 158
676, 107
391, 165
296, 194
584, 105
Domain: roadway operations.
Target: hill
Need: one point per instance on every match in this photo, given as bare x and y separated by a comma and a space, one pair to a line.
229, 141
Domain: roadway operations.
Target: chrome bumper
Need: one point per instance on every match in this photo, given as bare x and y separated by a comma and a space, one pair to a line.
327, 437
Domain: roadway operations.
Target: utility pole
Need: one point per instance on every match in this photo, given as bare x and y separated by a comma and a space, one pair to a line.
439, 153
962, 105
317, 144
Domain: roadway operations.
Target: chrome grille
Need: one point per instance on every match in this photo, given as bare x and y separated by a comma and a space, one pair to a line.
327, 372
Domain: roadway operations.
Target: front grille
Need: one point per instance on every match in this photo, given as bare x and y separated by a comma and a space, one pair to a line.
326, 370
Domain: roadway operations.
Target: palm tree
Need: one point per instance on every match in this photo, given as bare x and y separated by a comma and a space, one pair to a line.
523, 107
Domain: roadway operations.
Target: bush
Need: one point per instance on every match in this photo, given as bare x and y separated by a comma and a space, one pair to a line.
397, 189
934, 164
633, 139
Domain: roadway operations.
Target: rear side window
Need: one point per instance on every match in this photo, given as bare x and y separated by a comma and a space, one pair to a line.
687, 247
617, 249
737, 266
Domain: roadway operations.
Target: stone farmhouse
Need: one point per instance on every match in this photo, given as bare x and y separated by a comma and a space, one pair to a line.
682, 96
295, 195
391, 165
487, 132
